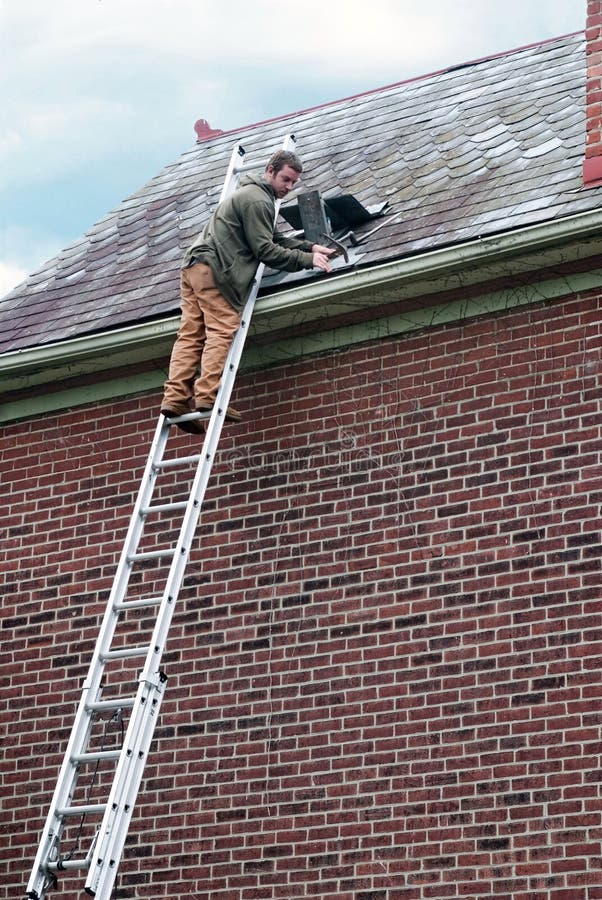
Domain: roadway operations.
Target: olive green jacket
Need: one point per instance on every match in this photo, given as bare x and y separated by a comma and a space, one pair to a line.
239, 235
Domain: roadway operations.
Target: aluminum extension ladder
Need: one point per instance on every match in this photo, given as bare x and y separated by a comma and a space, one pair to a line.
85, 752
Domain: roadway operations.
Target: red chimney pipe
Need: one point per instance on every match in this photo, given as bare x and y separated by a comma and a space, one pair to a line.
592, 165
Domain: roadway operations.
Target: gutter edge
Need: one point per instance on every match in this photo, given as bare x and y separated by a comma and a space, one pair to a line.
434, 262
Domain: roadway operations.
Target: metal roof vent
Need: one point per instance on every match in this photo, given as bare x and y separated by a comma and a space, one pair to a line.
332, 218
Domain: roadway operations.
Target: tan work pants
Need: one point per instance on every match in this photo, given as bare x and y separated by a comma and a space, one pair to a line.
207, 329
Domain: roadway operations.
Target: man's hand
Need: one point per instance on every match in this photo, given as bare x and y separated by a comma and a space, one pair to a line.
321, 256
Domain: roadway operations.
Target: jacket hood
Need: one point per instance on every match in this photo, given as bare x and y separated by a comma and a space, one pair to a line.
258, 180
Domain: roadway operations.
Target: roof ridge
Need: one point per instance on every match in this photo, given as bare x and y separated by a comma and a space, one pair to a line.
211, 133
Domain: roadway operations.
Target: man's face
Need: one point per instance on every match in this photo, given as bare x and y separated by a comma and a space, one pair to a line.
282, 181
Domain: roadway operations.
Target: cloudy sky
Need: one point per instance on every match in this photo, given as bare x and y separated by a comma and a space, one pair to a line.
96, 96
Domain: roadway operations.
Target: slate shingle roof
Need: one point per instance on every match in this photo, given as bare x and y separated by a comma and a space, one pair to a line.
471, 151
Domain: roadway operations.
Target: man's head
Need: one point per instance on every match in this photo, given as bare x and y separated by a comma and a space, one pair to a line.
282, 172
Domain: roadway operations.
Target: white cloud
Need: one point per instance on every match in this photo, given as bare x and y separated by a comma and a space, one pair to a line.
50, 137
10, 142
124, 60
22, 251
10, 277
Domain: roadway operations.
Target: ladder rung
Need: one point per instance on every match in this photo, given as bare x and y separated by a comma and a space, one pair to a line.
248, 167
126, 653
188, 417
137, 604
80, 810
165, 507
98, 756
116, 703
150, 554
178, 461
63, 865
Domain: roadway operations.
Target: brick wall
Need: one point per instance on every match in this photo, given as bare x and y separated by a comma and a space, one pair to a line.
384, 673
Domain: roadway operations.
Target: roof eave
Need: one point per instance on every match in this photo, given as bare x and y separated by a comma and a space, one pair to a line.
366, 287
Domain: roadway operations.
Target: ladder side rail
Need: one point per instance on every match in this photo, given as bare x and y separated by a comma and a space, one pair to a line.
231, 179
109, 845
67, 779
82, 724
139, 730
106, 851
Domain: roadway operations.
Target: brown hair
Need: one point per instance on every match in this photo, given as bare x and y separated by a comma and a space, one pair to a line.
284, 158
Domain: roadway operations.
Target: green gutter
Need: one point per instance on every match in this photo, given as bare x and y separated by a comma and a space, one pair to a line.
436, 263
131, 341
433, 264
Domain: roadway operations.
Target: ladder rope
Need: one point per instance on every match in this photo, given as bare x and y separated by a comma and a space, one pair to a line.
63, 861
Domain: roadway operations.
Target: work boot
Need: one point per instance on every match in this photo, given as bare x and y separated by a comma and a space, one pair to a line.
232, 415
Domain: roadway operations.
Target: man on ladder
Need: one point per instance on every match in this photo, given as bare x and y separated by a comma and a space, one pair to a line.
115, 681
216, 277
